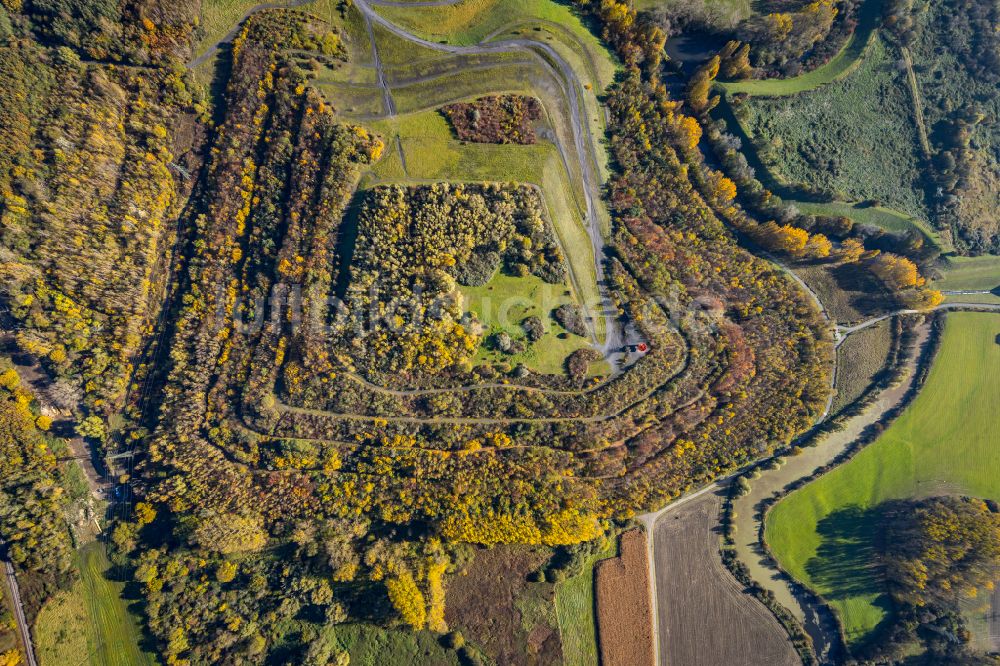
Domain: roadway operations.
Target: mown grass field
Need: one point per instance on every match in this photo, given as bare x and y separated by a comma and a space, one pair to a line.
115, 632
854, 137
505, 301
947, 441
576, 610
970, 273
90, 624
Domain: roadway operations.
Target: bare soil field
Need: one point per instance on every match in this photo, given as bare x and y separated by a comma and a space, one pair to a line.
498, 610
624, 610
705, 618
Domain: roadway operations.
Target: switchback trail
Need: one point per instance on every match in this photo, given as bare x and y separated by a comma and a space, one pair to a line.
615, 335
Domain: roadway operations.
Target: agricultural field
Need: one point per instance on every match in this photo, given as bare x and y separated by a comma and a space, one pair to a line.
829, 138
705, 618
624, 612
946, 442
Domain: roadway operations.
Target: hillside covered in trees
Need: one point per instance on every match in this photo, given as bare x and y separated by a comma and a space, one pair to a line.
282, 342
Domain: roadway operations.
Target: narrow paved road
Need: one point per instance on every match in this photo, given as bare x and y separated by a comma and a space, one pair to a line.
22, 622
847, 330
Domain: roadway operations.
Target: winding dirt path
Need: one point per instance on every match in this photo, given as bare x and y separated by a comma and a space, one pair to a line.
584, 144
844, 331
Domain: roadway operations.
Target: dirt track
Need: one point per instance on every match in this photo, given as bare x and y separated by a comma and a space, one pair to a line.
705, 618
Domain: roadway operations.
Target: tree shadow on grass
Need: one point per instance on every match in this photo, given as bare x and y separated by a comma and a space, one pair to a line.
867, 294
848, 562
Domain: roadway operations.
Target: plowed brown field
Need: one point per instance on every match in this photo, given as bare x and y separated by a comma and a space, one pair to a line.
624, 608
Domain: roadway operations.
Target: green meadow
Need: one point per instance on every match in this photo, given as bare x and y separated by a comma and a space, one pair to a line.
946, 442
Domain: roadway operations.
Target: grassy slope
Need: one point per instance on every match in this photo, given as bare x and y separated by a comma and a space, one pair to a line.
842, 64
878, 216
547, 21
970, 273
472, 21
948, 441
114, 630
576, 612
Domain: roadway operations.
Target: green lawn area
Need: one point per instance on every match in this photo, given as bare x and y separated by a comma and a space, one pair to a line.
113, 629
842, 64
576, 612
854, 138
90, 623
970, 273
946, 442
505, 301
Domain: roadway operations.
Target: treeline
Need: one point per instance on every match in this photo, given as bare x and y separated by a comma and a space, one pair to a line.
92, 179
935, 554
138, 32
33, 505
413, 247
